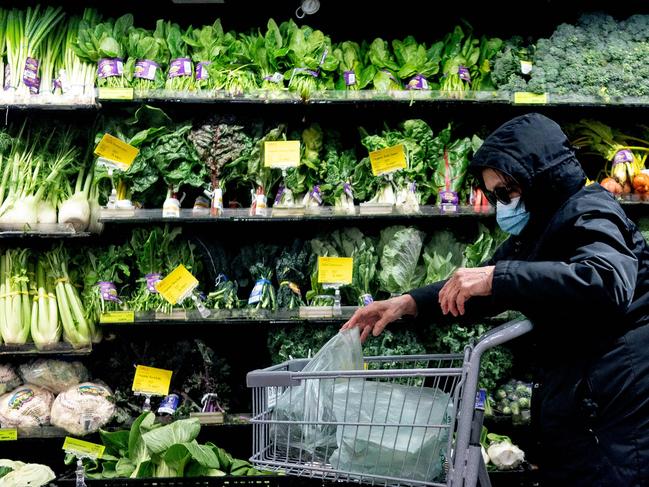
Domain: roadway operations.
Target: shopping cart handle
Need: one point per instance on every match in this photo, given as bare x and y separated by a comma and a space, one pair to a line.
503, 333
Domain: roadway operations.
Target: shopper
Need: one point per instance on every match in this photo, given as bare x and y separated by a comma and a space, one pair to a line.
578, 268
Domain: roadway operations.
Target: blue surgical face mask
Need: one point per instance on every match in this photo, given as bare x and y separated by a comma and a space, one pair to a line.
512, 217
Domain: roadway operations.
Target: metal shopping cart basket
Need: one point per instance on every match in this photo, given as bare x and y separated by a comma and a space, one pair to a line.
402, 421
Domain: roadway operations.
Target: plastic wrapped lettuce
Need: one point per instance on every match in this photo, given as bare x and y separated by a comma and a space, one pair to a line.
400, 251
9, 380
55, 375
27, 406
83, 408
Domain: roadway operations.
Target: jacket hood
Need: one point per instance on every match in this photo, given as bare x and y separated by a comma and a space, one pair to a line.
534, 151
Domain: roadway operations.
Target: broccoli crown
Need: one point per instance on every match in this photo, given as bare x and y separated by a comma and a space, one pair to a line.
598, 56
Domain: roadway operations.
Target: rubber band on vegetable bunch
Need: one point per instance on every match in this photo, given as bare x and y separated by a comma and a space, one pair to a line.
148, 56
180, 74
292, 270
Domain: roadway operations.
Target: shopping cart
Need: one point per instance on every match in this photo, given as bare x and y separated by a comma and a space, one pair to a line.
363, 440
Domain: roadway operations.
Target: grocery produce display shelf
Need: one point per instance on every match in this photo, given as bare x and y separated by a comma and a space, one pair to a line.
106, 96
144, 216
10, 100
39, 230
29, 349
311, 315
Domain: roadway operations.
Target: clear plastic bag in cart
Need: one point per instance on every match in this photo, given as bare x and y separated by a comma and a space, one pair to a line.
402, 451
312, 400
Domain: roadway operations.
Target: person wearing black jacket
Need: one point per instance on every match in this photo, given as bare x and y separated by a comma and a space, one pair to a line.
578, 268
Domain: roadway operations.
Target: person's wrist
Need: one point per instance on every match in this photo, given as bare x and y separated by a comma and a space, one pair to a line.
407, 305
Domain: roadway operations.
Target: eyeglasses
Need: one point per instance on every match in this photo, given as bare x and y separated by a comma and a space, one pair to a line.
500, 194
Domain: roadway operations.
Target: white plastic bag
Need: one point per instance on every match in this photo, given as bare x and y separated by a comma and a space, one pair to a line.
408, 452
312, 400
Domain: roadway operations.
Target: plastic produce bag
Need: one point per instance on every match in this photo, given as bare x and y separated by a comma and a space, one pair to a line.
55, 375
9, 380
83, 408
312, 400
25, 407
409, 452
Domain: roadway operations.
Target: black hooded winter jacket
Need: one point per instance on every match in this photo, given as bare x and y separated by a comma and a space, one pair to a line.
580, 272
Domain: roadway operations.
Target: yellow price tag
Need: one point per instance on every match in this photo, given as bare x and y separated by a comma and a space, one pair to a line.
149, 380
525, 98
387, 160
335, 270
115, 93
284, 153
115, 150
177, 285
8, 434
117, 317
82, 448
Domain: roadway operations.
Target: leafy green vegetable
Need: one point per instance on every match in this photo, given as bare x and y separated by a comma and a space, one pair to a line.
161, 439
413, 59
353, 74
385, 78
310, 54
292, 269
104, 40
443, 255
156, 451
495, 365
157, 252
484, 247
258, 261
401, 269
145, 46
178, 49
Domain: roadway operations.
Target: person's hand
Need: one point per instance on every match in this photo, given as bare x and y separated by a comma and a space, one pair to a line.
464, 284
374, 317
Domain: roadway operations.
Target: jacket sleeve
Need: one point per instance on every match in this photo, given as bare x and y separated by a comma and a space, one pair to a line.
600, 272
428, 307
